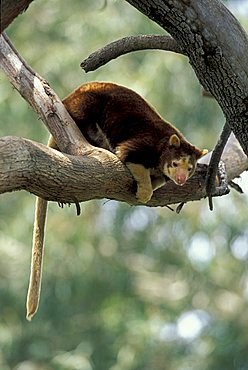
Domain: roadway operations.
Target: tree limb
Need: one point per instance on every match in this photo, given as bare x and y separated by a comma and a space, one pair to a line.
218, 54
37, 92
214, 162
54, 176
127, 45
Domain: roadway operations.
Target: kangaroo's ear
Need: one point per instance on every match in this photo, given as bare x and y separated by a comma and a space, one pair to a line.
174, 141
204, 152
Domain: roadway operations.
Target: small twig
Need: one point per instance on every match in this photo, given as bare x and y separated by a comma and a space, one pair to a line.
171, 209
179, 207
126, 45
214, 162
78, 208
236, 187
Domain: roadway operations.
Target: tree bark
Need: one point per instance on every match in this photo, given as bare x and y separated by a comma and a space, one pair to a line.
10, 9
216, 46
54, 176
128, 45
37, 92
221, 67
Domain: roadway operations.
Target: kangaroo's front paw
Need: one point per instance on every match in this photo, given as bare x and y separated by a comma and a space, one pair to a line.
144, 194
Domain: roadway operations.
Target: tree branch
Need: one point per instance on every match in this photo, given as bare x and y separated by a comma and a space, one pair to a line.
37, 92
54, 176
10, 9
127, 45
218, 55
214, 162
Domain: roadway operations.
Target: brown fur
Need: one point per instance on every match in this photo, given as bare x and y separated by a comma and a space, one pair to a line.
116, 118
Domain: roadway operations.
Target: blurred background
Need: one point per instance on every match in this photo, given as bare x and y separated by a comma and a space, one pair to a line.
124, 288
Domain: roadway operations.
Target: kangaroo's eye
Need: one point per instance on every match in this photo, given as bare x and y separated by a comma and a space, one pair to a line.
174, 164
190, 169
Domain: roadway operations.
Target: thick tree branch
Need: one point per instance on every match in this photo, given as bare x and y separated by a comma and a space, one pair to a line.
26, 165
54, 176
127, 45
217, 48
36, 91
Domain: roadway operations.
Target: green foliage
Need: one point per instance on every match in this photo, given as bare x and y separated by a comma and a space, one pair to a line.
124, 288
